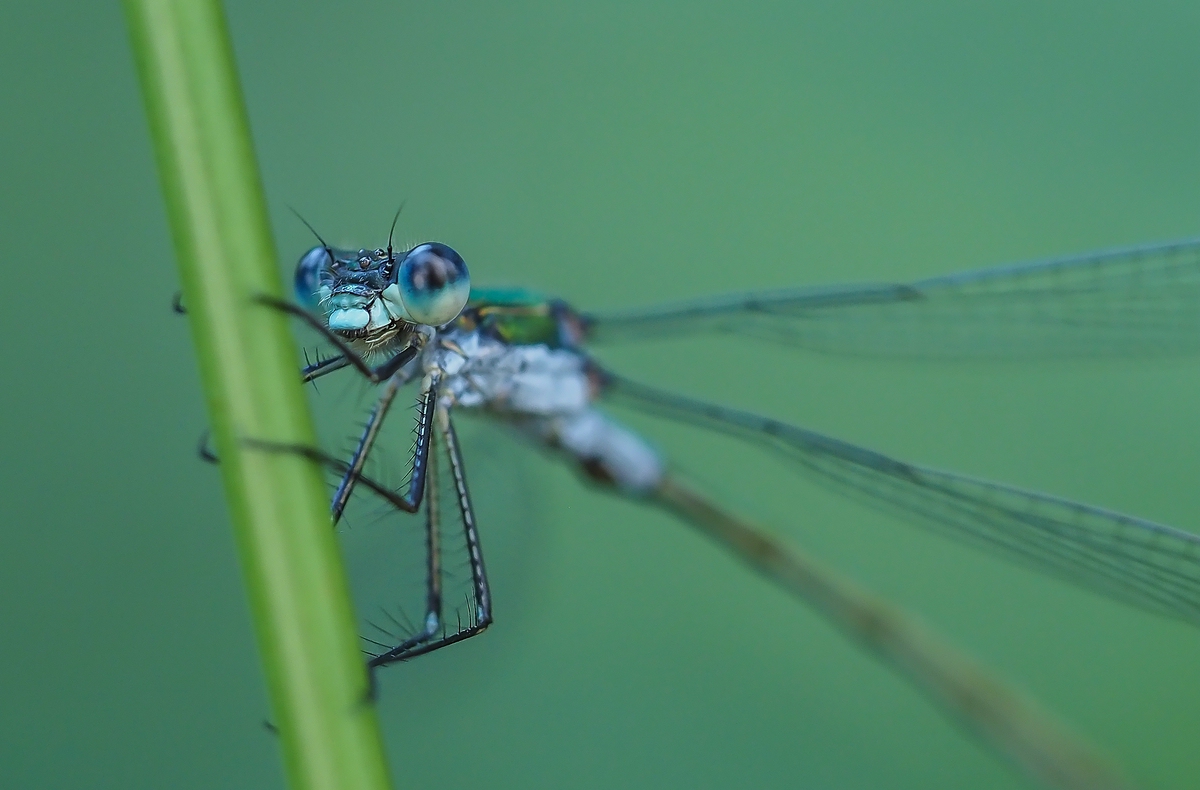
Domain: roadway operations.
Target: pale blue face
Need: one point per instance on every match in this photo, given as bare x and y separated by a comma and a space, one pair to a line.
368, 292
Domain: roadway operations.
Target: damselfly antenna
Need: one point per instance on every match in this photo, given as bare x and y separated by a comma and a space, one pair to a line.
328, 249
393, 230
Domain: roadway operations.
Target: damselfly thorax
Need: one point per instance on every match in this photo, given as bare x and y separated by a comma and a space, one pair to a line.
547, 390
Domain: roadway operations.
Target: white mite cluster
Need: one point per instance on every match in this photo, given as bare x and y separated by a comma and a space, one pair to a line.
546, 392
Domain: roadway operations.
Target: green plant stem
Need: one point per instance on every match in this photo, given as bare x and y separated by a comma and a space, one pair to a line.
1006, 720
294, 579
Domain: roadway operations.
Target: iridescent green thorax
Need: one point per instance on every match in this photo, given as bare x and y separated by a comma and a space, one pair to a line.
521, 317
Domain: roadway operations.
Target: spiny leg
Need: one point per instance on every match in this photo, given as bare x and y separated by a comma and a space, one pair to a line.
314, 370
322, 367
376, 374
410, 501
413, 645
416, 481
481, 616
433, 574
308, 372
330, 462
365, 442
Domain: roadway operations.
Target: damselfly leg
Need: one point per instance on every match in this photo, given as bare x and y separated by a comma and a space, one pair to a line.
435, 630
375, 374
396, 377
437, 633
322, 367
427, 404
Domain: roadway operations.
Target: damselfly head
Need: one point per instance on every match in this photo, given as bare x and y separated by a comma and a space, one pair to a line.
368, 293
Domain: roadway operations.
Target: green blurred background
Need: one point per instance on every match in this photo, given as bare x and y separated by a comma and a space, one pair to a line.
612, 155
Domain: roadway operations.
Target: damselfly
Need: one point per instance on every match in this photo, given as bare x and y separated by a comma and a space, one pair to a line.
411, 318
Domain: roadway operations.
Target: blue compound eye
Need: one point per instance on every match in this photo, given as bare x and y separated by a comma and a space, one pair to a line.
307, 281
434, 284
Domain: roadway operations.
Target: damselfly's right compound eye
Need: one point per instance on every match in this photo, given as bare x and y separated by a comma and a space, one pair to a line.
308, 275
434, 284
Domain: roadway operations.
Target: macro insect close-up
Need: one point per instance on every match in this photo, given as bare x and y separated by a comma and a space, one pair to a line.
744, 396
398, 318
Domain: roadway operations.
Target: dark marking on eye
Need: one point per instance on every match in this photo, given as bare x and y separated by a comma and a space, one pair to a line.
437, 273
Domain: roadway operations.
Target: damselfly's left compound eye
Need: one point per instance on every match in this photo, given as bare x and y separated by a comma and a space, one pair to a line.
308, 275
434, 284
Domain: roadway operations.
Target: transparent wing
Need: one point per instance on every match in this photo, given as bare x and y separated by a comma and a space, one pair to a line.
1134, 301
1149, 564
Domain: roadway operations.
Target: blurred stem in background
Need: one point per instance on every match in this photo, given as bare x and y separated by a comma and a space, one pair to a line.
1004, 719
294, 579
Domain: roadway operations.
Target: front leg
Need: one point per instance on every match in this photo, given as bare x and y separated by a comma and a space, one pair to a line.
320, 368
427, 404
409, 501
374, 374
435, 633
390, 371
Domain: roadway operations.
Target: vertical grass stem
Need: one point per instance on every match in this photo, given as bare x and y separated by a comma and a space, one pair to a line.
295, 582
